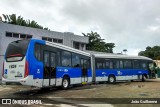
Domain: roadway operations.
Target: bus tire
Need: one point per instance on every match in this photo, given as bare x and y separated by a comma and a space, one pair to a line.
143, 78
111, 79
65, 82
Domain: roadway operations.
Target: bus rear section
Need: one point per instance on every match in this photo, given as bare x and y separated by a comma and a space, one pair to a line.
15, 65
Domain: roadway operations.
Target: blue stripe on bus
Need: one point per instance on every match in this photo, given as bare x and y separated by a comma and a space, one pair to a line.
35, 66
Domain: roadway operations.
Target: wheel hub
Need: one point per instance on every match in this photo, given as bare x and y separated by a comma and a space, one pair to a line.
65, 83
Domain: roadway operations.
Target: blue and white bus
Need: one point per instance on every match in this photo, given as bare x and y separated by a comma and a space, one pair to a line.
41, 63
114, 67
45, 64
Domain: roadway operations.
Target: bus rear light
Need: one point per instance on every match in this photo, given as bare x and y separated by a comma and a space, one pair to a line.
26, 69
15, 55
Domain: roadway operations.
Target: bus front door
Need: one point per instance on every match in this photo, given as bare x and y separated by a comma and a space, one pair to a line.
49, 69
84, 71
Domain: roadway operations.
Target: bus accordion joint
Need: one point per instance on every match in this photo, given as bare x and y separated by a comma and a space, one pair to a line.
26, 69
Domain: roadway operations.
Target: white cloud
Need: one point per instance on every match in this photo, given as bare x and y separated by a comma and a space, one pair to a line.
132, 51
153, 28
130, 24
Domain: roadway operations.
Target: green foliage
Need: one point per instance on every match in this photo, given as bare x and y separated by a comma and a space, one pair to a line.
96, 43
13, 19
151, 52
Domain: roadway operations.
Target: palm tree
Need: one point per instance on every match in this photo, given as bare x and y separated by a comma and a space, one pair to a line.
5, 18
13, 19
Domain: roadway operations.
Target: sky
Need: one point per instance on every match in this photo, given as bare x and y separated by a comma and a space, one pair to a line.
130, 24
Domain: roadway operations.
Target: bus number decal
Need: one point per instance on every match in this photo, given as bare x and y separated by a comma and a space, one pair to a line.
65, 70
119, 72
12, 66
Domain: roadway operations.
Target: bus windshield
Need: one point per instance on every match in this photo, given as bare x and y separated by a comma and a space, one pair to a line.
16, 50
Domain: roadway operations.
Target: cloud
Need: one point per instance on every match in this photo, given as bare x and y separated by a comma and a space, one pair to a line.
130, 24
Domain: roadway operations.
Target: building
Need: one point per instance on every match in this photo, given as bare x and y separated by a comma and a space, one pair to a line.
10, 32
157, 62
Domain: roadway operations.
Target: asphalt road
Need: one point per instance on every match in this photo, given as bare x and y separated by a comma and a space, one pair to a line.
97, 95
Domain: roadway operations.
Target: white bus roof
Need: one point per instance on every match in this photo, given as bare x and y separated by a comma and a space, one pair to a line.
121, 56
60, 46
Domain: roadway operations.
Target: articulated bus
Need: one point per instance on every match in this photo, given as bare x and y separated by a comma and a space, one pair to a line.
41, 64
113, 67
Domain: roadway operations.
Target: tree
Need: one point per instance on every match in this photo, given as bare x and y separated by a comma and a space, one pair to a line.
151, 52
141, 53
96, 43
13, 19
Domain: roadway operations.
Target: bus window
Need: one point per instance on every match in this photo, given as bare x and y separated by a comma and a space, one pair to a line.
38, 51
75, 60
58, 58
52, 59
121, 64
88, 64
151, 66
136, 64
111, 65
99, 65
127, 64
66, 58
46, 59
16, 50
85, 63
107, 64
143, 65
116, 64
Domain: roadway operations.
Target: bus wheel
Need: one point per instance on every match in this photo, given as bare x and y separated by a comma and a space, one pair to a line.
111, 79
65, 83
143, 78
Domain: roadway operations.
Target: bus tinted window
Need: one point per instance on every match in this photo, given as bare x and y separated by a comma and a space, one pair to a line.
107, 64
143, 65
46, 58
100, 65
75, 60
85, 64
121, 64
52, 59
111, 65
37, 51
116, 64
127, 64
136, 64
58, 58
66, 58
16, 49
